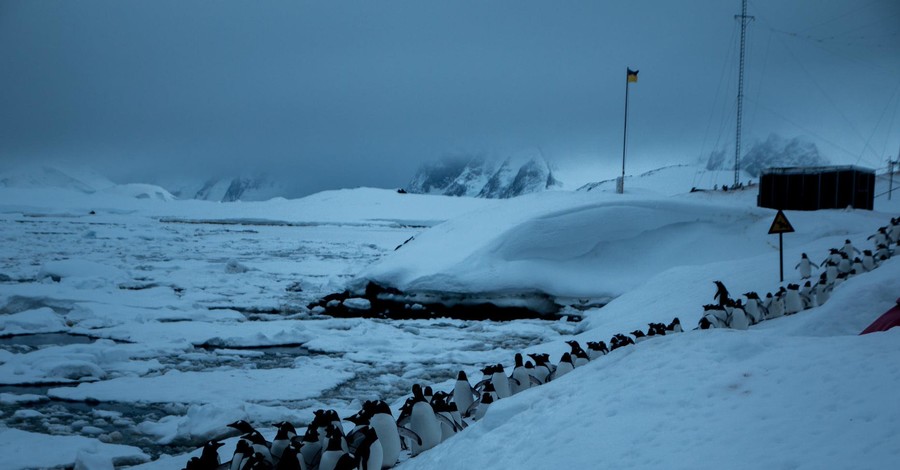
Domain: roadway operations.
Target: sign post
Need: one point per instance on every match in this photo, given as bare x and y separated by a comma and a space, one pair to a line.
780, 226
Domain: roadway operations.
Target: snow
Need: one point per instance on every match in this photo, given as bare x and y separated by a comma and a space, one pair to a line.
157, 321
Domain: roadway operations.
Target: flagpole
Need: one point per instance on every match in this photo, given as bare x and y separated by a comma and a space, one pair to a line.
620, 187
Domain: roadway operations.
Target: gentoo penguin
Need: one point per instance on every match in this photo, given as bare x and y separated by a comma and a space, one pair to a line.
519, 380
311, 448
868, 260
370, 452
767, 303
639, 336
841, 277
805, 266
705, 324
291, 459
894, 230
500, 381
857, 267
675, 326
423, 422
597, 349
753, 309
333, 449
209, 458
721, 293
793, 303
382, 421
738, 318
834, 255
542, 367
566, 365
286, 432
619, 341
322, 419
882, 253
806, 293
880, 237
260, 445
242, 453
777, 308
443, 411
483, 405
716, 315
656, 329
463, 393
844, 265
428, 392
849, 250
822, 292
831, 272
579, 356
355, 436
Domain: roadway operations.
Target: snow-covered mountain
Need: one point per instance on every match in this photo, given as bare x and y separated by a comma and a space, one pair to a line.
80, 180
776, 151
225, 189
485, 177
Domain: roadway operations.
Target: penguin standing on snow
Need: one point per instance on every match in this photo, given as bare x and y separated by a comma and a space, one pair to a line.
209, 458
597, 349
805, 266
519, 380
566, 365
721, 293
542, 367
806, 293
849, 250
286, 432
242, 453
333, 450
738, 318
753, 309
822, 292
844, 265
675, 326
579, 356
716, 315
793, 303
777, 308
868, 260
370, 452
423, 422
463, 393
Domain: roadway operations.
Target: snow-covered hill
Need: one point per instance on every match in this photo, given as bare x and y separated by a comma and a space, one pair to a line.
157, 313
485, 177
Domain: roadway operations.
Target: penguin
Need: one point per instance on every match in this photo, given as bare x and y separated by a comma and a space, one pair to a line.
347, 462
716, 315
333, 450
738, 319
322, 419
831, 272
291, 459
311, 449
463, 393
767, 303
542, 367
721, 293
777, 308
370, 451
428, 392
844, 265
868, 260
880, 237
894, 230
857, 266
360, 422
656, 329
883, 252
806, 293
423, 422
805, 266
519, 380
579, 356
753, 309
639, 336
286, 432
443, 411
500, 381
209, 457
483, 405
793, 303
242, 453
822, 292
705, 323
839, 280
382, 421
619, 341
597, 349
849, 250
566, 365
259, 445
834, 255
675, 326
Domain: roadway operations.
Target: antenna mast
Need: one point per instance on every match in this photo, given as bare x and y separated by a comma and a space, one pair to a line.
740, 98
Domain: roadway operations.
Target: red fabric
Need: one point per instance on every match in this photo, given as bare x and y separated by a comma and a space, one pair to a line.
890, 319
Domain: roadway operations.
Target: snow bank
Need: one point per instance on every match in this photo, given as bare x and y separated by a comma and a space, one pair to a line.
23, 449
42, 320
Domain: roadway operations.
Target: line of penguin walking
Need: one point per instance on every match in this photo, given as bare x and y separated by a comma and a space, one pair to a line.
428, 418
836, 268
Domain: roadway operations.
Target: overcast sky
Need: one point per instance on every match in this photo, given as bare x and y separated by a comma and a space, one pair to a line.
348, 93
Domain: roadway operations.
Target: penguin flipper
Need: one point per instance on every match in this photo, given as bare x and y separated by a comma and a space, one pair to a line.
472, 408
518, 384
409, 434
448, 422
534, 380
480, 385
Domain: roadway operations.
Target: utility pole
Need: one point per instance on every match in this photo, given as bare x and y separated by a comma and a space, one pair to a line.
891, 164
740, 97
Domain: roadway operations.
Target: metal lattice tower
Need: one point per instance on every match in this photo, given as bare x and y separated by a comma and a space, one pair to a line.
740, 97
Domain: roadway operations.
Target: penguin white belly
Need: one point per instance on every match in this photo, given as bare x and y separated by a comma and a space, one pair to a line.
330, 459
386, 429
792, 302
562, 369
805, 269
501, 384
376, 457
520, 380
423, 422
752, 310
739, 320
776, 309
462, 395
821, 295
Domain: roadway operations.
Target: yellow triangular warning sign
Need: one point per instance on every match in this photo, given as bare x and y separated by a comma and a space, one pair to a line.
780, 224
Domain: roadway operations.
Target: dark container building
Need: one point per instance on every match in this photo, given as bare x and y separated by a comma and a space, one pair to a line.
814, 188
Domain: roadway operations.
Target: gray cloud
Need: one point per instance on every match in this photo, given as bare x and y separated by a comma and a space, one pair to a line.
331, 94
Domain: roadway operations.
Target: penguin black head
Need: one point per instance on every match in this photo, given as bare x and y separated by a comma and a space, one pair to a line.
803, 256
638, 334
361, 418
519, 362
705, 324
462, 376
287, 427
346, 462
418, 394
255, 438
242, 426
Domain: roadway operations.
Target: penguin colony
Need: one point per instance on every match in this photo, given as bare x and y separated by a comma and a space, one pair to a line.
428, 418
836, 268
